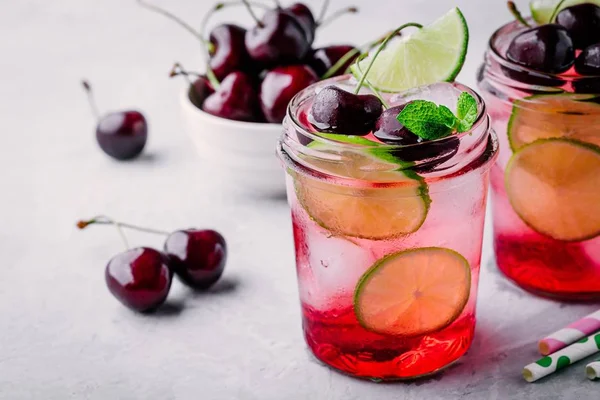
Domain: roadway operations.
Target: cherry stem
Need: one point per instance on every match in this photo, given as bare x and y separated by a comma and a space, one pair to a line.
378, 95
512, 7
346, 57
556, 10
177, 20
91, 99
277, 4
251, 11
323, 11
177, 70
336, 15
340, 63
104, 220
210, 48
380, 49
221, 5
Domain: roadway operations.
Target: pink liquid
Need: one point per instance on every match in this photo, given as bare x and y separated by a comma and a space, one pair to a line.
329, 268
537, 263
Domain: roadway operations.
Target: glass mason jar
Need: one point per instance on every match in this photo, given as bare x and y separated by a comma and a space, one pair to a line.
546, 181
388, 239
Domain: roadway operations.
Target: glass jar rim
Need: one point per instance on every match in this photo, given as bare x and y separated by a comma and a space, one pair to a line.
514, 26
474, 149
308, 92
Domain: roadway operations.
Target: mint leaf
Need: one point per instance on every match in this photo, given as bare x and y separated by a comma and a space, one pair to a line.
466, 111
427, 120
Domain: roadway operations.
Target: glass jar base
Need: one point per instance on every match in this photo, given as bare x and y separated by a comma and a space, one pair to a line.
353, 373
387, 359
555, 295
548, 268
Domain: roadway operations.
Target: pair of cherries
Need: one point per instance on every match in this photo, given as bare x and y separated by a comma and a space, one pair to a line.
551, 48
140, 278
338, 111
254, 73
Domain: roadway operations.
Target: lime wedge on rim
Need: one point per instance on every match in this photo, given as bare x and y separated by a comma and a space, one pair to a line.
413, 292
541, 10
368, 211
432, 54
567, 115
553, 185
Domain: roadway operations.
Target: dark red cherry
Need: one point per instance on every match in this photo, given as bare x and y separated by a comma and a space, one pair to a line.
338, 111
547, 48
229, 50
279, 86
588, 65
139, 278
322, 59
389, 130
122, 134
588, 62
583, 24
200, 90
197, 256
587, 85
235, 99
531, 77
278, 39
429, 155
306, 19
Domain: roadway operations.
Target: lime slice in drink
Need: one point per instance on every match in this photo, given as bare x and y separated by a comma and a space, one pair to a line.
541, 10
363, 211
413, 292
553, 116
432, 54
554, 186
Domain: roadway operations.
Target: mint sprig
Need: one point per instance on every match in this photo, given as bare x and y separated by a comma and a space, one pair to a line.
466, 111
430, 121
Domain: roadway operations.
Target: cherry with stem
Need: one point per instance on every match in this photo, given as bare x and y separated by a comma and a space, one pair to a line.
139, 278
196, 256
338, 111
199, 89
120, 134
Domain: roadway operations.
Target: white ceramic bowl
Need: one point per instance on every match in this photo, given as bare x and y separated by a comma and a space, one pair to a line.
241, 153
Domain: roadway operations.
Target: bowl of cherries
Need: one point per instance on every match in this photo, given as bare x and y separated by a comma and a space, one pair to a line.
233, 112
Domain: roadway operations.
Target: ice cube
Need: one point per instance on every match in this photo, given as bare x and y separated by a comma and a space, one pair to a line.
331, 270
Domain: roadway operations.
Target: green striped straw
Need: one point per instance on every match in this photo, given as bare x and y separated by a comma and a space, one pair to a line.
563, 358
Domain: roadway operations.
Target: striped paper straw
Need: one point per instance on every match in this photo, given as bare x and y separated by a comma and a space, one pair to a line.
562, 358
572, 333
592, 370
